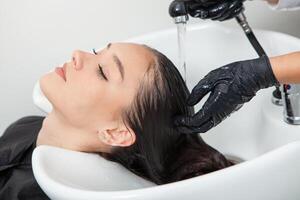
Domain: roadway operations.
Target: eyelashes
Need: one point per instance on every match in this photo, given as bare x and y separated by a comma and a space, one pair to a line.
102, 75
94, 51
100, 71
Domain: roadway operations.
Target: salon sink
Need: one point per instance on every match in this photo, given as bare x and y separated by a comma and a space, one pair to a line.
266, 148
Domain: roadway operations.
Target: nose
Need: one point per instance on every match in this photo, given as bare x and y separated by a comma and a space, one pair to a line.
77, 59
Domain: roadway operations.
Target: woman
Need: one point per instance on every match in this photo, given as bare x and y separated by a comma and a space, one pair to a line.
120, 103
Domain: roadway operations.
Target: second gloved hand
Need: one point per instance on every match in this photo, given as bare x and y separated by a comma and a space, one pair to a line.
230, 87
215, 9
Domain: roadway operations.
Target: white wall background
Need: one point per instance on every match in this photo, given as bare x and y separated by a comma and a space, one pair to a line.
37, 35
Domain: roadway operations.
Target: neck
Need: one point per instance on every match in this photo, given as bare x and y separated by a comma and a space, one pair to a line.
56, 131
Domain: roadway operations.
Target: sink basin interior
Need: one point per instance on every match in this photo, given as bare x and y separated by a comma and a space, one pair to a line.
257, 128
248, 133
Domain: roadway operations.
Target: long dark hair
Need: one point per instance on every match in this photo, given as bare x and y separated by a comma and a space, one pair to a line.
160, 153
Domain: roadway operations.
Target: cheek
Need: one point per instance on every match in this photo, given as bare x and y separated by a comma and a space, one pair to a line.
88, 103
81, 100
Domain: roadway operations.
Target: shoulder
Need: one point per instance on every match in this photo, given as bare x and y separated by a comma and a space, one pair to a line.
24, 123
17, 138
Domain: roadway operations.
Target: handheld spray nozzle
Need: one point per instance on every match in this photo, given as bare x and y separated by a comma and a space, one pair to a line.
242, 20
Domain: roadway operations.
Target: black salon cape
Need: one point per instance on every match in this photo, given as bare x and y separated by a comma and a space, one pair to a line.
16, 146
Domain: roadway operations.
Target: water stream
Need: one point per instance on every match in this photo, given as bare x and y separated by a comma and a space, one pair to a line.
181, 37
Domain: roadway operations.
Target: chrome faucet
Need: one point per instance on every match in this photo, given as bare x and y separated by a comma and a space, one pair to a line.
291, 103
288, 96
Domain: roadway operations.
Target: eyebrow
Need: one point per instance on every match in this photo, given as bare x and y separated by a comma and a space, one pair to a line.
118, 62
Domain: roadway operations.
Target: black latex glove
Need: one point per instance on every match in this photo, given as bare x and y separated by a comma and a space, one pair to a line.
230, 87
215, 9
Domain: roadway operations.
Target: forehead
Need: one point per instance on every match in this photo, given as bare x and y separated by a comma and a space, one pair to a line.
135, 58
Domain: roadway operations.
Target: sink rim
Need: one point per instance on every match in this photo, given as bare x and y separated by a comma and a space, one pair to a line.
38, 152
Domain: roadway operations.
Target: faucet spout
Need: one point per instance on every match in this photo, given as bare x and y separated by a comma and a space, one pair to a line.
178, 11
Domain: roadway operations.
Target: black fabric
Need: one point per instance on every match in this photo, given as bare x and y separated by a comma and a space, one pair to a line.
220, 10
230, 87
16, 146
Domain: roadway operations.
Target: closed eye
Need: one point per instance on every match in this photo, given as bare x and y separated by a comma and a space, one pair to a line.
94, 51
101, 73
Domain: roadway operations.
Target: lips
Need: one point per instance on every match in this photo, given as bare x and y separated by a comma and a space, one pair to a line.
65, 71
61, 71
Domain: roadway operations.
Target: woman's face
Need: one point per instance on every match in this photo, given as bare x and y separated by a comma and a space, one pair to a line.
88, 99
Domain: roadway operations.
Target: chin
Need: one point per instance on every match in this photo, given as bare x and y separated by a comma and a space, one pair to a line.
52, 87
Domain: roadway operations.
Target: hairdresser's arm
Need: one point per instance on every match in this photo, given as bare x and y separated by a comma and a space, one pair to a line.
284, 4
273, 2
286, 68
234, 84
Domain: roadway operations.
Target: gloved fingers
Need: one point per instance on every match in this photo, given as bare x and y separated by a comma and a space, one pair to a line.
199, 91
206, 3
197, 10
226, 15
210, 12
201, 4
235, 4
192, 121
239, 106
192, 6
215, 100
206, 127
219, 10
215, 10
199, 129
199, 13
233, 12
231, 6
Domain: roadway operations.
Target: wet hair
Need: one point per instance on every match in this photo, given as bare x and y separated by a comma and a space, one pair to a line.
161, 153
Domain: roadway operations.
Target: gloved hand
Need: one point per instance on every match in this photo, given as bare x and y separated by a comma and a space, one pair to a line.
215, 9
230, 87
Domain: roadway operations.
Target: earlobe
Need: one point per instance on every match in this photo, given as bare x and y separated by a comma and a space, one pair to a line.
128, 138
117, 137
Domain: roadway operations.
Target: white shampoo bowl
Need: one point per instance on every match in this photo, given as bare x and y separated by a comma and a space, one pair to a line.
256, 134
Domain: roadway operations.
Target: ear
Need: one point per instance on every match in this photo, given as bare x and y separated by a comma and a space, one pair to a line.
117, 136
